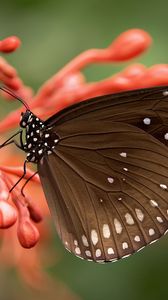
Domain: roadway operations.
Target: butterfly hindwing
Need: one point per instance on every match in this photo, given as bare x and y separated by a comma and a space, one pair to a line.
106, 185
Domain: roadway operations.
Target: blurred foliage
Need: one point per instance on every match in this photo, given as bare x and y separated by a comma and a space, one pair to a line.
52, 33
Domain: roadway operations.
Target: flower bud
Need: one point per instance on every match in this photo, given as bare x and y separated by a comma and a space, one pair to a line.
9, 44
130, 44
35, 213
134, 71
6, 69
156, 75
74, 80
8, 215
13, 83
28, 233
4, 191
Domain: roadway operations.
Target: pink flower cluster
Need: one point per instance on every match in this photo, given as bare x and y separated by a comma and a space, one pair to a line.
66, 87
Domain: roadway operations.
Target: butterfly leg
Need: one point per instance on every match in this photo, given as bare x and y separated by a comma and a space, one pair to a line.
22, 189
24, 173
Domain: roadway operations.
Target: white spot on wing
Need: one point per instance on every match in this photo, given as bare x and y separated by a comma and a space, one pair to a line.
124, 245
140, 248
110, 179
98, 253
77, 250
118, 226
139, 214
151, 231
106, 231
123, 154
85, 241
165, 93
166, 231
101, 261
113, 260
94, 237
166, 136
88, 253
125, 256
110, 251
159, 219
129, 219
137, 238
153, 241
75, 242
163, 186
153, 203
147, 121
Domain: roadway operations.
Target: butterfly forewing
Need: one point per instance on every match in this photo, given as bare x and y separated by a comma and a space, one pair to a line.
106, 184
144, 108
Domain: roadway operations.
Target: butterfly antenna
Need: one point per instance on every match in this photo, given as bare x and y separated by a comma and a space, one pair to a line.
11, 93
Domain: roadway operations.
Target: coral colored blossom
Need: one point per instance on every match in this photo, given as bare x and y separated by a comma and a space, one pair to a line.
16, 214
9, 44
66, 87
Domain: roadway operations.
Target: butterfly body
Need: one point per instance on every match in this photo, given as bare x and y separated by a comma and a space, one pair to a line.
104, 171
39, 139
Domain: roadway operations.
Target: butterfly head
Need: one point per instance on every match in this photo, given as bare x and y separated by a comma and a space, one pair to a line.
26, 118
39, 140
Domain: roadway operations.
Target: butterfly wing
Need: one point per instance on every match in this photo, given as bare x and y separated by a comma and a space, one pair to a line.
106, 185
144, 108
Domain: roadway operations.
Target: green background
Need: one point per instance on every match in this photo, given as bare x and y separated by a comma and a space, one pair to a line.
52, 33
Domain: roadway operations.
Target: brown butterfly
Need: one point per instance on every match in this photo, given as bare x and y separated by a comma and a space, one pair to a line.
103, 165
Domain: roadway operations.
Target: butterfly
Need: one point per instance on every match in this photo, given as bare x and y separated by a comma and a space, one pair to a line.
103, 165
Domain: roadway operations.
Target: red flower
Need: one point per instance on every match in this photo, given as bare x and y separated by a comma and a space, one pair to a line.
28, 234
64, 88
9, 44
20, 215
